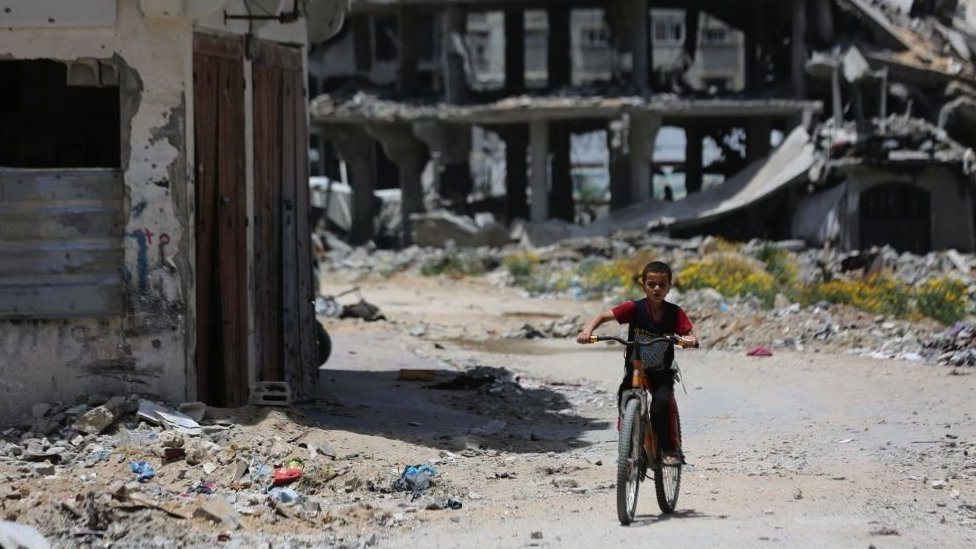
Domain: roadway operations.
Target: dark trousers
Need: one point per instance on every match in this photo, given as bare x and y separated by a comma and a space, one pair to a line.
664, 409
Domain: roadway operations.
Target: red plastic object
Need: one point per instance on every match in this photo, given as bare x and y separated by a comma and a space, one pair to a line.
760, 351
287, 475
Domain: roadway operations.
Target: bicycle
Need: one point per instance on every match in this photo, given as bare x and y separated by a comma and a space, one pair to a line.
637, 448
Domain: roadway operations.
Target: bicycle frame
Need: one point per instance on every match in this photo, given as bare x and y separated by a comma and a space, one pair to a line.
641, 390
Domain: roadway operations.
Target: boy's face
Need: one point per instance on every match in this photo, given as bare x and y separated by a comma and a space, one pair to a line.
656, 286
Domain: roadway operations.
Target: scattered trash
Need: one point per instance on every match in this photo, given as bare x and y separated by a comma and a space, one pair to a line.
443, 503
415, 479
845, 441
536, 535
144, 471
291, 472
885, 531
286, 496
170, 419
759, 351
205, 487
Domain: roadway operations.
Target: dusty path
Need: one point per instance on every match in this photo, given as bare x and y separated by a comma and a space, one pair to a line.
796, 449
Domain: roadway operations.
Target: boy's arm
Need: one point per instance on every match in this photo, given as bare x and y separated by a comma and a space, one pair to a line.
593, 324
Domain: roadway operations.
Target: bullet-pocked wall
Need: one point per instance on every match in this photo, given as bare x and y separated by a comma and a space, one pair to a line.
93, 290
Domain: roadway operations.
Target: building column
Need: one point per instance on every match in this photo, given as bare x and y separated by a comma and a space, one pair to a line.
410, 156
618, 148
408, 24
798, 49
561, 201
642, 65
355, 147
693, 159
516, 171
454, 21
514, 50
757, 138
559, 66
450, 148
539, 153
642, 134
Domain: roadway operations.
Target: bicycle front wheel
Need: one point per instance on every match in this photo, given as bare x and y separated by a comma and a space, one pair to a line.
667, 482
629, 448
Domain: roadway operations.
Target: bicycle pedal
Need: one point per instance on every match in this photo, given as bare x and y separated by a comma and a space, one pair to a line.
270, 393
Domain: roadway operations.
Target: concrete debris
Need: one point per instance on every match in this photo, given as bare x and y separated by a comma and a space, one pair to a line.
218, 510
21, 536
436, 229
95, 420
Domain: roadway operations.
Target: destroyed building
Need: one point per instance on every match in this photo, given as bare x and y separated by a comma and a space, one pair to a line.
153, 199
847, 122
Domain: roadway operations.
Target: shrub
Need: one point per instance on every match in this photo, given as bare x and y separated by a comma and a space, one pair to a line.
780, 264
730, 275
878, 294
521, 266
454, 265
943, 299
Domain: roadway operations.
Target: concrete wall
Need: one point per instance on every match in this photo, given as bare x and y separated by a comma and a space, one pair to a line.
144, 349
950, 200
148, 348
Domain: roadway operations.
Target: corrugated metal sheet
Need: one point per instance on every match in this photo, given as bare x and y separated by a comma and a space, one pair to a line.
61, 237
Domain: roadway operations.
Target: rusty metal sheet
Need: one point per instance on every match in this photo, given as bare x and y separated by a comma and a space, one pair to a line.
61, 240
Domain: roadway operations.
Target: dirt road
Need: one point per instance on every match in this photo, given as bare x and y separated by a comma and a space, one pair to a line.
806, 450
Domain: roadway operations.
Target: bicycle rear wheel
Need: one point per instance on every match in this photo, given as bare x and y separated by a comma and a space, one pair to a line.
629, 448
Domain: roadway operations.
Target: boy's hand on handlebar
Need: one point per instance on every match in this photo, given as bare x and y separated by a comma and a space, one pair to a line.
584, 337
686, 341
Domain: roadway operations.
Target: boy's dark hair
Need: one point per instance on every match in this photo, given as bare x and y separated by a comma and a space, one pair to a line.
655, 267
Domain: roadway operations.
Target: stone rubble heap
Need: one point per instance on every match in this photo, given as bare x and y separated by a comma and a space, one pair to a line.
728, 322
72, 470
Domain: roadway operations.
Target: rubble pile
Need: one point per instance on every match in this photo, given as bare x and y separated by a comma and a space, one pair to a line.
724, 322
78, 471
955, 346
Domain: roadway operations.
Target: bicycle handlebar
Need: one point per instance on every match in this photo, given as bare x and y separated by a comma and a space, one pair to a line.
672, 338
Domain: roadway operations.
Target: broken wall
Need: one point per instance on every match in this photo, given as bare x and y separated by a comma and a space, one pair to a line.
142, 347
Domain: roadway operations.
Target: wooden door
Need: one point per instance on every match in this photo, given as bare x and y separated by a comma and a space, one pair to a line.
220, 217
284, 291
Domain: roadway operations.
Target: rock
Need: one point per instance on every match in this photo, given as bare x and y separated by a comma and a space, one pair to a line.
209, 468
21, 536
45, 426
708, 245
565, 483
95, 421
938, 484
538, 534
353, 484
44, 469
219, 510
40, 409
195, 410
199, 451
171, 439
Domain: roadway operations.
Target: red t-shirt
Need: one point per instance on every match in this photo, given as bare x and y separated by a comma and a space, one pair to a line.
625, 312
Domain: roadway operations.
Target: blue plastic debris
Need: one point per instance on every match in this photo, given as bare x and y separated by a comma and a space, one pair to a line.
415, 479
143, 469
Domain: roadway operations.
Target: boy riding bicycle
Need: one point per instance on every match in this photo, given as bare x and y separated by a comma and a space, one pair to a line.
652, 316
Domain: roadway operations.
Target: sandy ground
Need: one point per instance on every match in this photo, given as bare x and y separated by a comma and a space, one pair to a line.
808, 450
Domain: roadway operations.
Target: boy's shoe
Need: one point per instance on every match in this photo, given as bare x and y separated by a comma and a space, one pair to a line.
672, 459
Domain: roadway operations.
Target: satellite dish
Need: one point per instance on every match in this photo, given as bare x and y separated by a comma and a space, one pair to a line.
324, 18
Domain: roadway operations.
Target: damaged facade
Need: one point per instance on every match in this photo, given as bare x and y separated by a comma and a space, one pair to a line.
885, 84
147, 248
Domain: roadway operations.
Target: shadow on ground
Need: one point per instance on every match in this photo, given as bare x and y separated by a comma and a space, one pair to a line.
652, 519
500, 415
